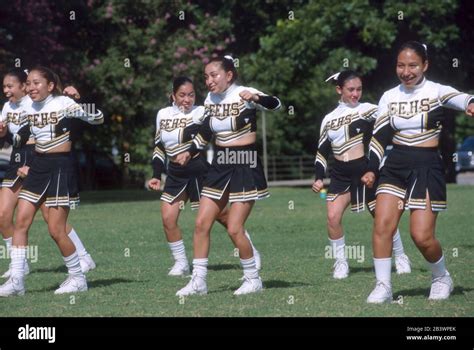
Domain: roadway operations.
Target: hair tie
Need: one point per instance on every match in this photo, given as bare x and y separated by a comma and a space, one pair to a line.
334, 76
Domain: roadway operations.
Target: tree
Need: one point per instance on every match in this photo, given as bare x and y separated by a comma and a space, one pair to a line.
325, 37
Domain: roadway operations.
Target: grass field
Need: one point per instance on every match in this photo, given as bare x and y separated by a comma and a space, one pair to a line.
123, 232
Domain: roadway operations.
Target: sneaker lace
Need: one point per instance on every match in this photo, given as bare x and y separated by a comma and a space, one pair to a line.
9, 281
194, 281
402, 259
381, 287
66, 282
339, 264
245, 281
438, 284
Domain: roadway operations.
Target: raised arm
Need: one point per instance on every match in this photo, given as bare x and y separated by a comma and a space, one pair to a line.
454, 99
270, 103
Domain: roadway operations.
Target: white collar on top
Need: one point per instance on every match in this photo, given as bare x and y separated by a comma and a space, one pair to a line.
41, 104
415, 88
343, 104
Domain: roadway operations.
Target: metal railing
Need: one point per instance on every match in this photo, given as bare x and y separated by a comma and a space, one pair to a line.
282, 168
290, 170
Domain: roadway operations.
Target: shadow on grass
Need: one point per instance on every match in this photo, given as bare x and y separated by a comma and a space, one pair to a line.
467, 246
61, 268
360, 269
371, 270
108, 282
222, 267
91, 284
426, 291
266, 285
283, 284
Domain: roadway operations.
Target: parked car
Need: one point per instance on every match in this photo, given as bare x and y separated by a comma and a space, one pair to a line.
465, 155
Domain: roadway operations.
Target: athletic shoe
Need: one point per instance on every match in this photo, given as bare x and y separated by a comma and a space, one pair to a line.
13, 286
72, 284
8, 273
402, 264
341, 269
197, 285
441, 287
382, 293
250, 285
180, 268
87, 263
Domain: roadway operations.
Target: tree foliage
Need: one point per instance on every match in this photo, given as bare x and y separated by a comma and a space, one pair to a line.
123, 55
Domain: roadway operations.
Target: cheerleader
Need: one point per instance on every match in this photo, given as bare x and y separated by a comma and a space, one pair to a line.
410, 116
51, 178
236, 174
20, 160
176, 127
343, 132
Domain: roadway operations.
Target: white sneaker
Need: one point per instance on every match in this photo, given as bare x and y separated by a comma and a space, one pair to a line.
382, 293
250, 285
441, 287
13, 286
258, 259
87, 263
8, 273
341, 269
402, 264
72, 284
197, 285
180, 268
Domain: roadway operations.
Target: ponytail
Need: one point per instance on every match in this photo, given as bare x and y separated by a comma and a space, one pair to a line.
50, 77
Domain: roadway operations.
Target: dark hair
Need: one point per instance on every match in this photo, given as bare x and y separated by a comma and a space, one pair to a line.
18, 73
227, 63
50, 77
346, 75
416, 46
178, 82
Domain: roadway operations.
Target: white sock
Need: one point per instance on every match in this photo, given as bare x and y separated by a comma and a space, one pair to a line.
438, 269
18, 262
338, 247
80, 249
383, 270
178, 251
200, 267
73, 265
250, 240
8, 243
397, 244
250, 269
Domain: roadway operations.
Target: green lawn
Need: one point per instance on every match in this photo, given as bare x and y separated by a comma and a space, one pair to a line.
123, 232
